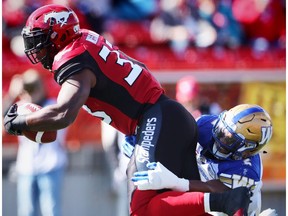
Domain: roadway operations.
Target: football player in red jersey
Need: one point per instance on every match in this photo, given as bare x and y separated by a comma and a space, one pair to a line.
110, 85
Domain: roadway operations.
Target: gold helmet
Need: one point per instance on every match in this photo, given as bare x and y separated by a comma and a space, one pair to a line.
241, 132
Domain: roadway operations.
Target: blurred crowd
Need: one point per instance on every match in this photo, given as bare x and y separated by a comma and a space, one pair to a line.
259, 24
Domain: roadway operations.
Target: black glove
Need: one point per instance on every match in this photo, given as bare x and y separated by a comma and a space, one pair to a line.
14, 123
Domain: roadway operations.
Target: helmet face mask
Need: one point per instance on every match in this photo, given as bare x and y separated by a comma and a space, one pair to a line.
37, 45
241, 132
226, 140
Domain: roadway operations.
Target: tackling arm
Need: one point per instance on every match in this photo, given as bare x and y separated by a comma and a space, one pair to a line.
209, 186
159, 177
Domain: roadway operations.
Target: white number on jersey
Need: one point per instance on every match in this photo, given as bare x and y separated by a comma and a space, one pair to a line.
100, 114
234, 181
136, 69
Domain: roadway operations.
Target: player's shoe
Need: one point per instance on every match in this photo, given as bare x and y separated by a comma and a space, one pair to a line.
234, 202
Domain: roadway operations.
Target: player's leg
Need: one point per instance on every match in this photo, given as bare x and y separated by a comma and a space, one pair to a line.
177, 141
26, 195
167, 134
139, 203
50, 192
173, 203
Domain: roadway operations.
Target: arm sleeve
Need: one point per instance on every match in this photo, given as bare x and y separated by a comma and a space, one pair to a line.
74, 66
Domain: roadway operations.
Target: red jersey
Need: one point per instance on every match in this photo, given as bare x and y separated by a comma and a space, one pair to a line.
124, 88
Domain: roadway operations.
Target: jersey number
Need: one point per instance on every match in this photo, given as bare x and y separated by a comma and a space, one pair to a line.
100, 114
135, 71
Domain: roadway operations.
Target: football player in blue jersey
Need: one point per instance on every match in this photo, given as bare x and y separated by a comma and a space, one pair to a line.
227, 154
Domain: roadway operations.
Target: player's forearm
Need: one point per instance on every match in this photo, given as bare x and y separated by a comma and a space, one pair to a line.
159, 177
209, 186
49, 118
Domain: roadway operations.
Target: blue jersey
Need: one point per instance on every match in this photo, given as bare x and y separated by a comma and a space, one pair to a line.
232, 173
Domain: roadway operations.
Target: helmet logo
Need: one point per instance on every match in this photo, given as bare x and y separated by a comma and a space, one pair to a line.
266, 134
60, 17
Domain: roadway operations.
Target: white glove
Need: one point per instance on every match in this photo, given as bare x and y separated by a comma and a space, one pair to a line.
269, 212
159, 177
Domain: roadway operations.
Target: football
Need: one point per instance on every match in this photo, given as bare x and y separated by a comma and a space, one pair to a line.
36, 136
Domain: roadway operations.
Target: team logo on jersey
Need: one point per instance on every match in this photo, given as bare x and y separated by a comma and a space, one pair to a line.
142, 155
60, 17
266, 134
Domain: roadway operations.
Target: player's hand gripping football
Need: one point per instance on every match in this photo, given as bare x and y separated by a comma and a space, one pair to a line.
13, 122
159, 177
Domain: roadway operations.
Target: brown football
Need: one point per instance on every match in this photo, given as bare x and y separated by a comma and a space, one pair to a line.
36, 136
